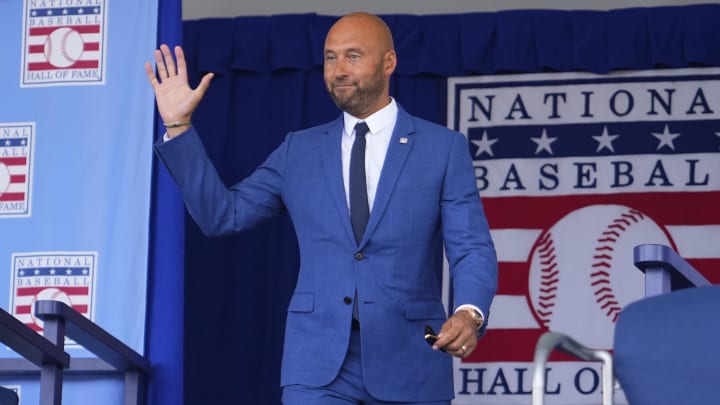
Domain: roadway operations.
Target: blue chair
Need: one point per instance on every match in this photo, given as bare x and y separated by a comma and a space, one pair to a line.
666, 346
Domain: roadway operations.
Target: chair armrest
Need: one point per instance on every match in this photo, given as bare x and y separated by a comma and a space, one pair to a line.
29, 344
92, 337
665, 270
550, 341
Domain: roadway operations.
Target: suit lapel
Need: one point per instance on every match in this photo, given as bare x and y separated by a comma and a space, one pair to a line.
400, 144
332, 164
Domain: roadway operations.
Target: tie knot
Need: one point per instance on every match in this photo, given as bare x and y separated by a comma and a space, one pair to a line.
361, 129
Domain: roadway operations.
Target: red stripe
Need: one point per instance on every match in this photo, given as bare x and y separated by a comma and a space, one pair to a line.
12, 197
16, 161
500, 345
18, 178
513, 278
34, 327
81, 64
22, 309
25, 291
83, 309
710, 268
83, 29
87, 46
696, 208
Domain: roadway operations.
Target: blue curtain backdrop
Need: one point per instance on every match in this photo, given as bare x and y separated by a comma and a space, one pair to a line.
164, 338
269, 81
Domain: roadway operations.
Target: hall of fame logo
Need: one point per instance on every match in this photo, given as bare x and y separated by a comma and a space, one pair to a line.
63, 42
68, 277
575, 170
16, 162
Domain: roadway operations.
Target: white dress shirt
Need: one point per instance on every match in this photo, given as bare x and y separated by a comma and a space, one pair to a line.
377, 140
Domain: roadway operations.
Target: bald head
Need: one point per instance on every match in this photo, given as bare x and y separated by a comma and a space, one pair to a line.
359, 60
368, 25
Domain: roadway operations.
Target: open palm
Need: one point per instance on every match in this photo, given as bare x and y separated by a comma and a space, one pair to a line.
175, 99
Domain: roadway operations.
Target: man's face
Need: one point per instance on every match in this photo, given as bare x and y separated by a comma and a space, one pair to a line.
354, 73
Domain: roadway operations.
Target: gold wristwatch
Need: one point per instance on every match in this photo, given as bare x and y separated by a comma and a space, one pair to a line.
476, 316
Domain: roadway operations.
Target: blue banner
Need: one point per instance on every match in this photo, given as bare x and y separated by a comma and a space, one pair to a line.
76, 130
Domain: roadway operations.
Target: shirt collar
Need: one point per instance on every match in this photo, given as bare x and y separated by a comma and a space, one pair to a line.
376, 122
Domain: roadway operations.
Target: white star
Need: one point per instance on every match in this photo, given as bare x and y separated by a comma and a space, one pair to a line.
65, 11
544, 142
7, 142
96, 10
22, 272
718, 134
80, 10
68, 271
52, 271
85, 271
605, 140
666, 138
49, 12
23, 142
37, 271
34, 13
484, 145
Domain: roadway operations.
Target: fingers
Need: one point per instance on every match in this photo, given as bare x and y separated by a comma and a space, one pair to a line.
168, 59
166, 65
160, 65
151, 75
180, 58
457, 338
204, 84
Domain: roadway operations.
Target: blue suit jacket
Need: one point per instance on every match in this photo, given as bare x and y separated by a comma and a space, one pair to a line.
426, 195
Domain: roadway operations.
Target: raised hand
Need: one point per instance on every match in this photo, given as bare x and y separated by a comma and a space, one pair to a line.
175, 99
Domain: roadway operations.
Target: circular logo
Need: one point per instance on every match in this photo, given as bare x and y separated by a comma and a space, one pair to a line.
582, 272
51, 294
63, 47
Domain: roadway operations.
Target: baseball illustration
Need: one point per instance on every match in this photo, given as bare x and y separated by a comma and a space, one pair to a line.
582, 272
4, 178
52, 294
63, 47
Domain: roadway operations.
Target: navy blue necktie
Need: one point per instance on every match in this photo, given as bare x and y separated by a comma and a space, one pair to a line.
359, 207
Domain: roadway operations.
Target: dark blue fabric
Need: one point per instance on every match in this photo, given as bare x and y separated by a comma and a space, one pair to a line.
269, 81
666, 348
359, 208
166, 301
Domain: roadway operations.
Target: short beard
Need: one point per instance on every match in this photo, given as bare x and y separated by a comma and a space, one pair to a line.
362, 100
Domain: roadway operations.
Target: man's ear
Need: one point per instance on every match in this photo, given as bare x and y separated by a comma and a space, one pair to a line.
390, 62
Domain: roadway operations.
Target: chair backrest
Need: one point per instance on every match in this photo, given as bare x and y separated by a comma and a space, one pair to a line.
667, 348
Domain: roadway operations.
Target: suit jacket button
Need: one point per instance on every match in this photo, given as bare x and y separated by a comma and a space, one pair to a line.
347, 300
359, 256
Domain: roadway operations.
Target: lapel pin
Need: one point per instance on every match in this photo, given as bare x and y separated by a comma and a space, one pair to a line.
403, 140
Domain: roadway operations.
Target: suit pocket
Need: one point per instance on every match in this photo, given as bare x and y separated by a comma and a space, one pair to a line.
302, 303
424, 310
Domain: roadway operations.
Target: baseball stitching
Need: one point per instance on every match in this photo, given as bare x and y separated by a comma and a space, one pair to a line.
549, 277
600, 277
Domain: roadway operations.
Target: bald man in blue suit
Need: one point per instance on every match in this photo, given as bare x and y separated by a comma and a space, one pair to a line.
365, 290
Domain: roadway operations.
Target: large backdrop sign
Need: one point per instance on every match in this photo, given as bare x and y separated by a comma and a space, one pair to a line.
575, 170
76, 130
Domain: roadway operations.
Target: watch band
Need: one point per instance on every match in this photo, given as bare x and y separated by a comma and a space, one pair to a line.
476, 316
